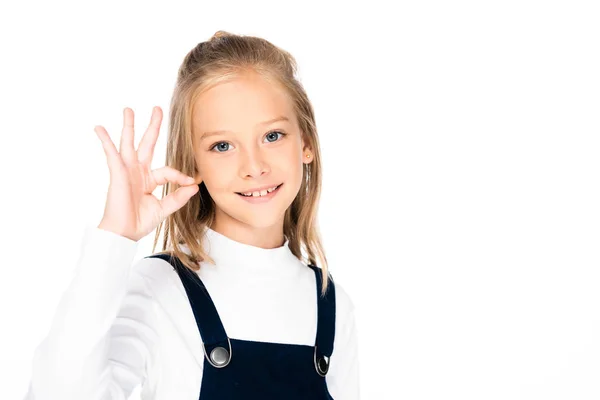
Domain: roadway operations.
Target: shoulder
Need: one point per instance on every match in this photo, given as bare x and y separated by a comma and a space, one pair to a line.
155, 270
344, 304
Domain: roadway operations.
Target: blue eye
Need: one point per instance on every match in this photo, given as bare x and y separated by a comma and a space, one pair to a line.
271, 134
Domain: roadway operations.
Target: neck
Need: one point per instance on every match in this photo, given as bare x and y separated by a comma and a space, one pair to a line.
269, 237
241, 258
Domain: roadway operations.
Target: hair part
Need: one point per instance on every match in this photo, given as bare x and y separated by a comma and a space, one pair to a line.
224, 57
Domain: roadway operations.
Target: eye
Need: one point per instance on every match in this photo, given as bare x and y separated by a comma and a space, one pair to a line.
269, 134
274, 132
216, 144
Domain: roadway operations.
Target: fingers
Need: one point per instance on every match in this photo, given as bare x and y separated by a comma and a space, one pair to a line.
164, 174
126, 145
112, 155
146, 147
174, 201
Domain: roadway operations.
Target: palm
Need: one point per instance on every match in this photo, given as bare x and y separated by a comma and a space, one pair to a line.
131, 208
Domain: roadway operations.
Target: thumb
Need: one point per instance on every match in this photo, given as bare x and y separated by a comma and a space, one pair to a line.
174, 201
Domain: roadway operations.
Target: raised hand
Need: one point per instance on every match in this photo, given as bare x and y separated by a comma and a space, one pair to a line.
131, 209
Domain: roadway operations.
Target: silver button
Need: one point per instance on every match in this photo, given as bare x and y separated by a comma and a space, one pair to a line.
323, 365
219, 355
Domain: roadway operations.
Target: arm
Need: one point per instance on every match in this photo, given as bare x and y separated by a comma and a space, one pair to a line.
103, 331
343, 375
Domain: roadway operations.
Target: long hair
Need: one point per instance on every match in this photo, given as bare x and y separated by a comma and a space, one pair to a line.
220, 59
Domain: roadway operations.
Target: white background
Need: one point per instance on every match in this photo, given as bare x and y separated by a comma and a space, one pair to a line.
461, 197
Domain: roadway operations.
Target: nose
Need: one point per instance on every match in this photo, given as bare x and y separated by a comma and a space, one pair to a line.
254, 164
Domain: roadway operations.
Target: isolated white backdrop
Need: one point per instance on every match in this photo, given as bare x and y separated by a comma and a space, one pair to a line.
461, 197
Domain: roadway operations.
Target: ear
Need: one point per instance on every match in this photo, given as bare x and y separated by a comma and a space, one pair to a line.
307, 154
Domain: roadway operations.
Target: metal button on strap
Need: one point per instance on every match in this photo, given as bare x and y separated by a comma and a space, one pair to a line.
220, 356
323, 365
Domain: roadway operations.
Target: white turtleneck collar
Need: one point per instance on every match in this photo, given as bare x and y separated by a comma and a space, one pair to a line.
235, 256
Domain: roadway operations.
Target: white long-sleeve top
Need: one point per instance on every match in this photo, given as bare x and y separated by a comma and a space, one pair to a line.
122, 323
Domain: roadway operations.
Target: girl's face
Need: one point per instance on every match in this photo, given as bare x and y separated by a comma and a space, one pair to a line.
254, 149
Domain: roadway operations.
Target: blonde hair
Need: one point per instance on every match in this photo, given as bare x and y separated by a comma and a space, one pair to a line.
222, 58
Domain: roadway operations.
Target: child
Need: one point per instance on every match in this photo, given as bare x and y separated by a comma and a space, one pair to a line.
230, 310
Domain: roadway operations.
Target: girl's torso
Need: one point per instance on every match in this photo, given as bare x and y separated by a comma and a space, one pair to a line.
270, 320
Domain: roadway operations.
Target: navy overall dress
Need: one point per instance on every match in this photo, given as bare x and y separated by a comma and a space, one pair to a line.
236, 369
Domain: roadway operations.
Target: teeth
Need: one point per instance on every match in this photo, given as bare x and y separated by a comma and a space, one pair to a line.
261, 193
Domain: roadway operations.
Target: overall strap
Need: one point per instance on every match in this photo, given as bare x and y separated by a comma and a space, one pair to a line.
214, 338
325, 322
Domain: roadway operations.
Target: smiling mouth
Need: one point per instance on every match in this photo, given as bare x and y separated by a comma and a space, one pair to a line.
268, 193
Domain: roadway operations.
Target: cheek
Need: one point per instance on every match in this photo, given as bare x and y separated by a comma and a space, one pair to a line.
217, 177
295, 172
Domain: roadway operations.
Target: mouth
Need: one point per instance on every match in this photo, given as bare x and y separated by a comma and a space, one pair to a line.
268, 194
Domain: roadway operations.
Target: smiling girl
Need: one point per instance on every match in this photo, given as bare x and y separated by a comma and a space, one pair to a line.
239, 304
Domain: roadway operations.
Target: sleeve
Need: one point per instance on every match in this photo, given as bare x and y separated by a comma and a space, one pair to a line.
343, 375
102, 335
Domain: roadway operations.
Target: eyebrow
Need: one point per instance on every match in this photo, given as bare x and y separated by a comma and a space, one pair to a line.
213, 133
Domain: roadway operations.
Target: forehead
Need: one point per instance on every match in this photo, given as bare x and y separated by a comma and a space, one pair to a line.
240, 103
